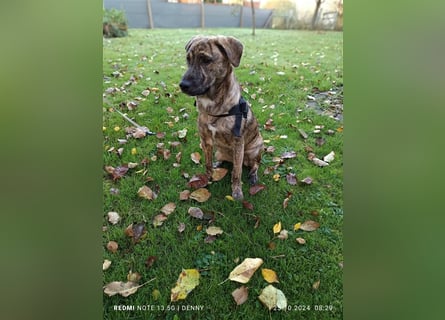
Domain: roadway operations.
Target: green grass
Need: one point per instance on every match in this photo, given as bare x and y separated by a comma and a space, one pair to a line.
156, 59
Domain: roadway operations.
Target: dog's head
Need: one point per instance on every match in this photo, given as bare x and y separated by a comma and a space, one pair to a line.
209, 60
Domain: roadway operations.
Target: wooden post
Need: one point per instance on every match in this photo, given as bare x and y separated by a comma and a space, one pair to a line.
202, 14
241, 21
253, 17
150, 17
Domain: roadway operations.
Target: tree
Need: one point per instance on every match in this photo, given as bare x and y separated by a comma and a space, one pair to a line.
253, 17
316, 11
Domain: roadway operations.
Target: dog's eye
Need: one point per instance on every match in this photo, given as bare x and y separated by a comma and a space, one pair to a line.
206, 59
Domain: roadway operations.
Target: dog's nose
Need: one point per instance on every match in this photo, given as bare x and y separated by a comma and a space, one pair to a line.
185, 84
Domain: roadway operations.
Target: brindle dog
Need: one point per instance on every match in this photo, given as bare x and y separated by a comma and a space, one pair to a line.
225, 120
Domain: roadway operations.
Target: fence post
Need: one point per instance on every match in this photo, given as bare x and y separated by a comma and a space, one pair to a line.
202, 14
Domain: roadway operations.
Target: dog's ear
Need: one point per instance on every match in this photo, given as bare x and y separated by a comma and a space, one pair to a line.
232, 47
191, 41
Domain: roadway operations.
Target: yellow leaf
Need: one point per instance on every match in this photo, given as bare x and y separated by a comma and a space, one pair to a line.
297, 226
269, 275
277, 227
199, 228
187, 281
134, 151
117, 128
230, 198
244, 271
276, 177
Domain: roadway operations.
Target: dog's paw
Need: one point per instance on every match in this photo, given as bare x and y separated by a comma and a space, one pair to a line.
237, 193
253, 179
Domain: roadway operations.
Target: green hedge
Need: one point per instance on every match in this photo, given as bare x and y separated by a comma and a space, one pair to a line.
114, 23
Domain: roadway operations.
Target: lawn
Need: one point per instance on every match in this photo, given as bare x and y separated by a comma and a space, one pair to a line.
281, 72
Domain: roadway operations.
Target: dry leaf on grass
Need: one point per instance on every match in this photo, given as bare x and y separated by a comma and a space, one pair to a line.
112, 246
159, 220
113, 217
329, 157
146, 193
168, 208
309, 225
106, 264
218, 173
187, 281
198, 181
184, 195
244, 271
240, 295
256, 188
196, 157
214, 231
273, 298
300, 240
319, 162
200, 195
269, 275
123, 288
196, 212
283, 235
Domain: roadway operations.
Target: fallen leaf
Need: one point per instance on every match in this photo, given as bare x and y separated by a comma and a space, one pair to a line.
257, 222
307, 180
150, 260
181, 227
168, 208
240, 295
132, 165
134, 276
112, 246
184, 195
268, 126
303, 134
247, 205
320, 141
256, 188
329, 157
166, 153
156, 294
288, 155
291, 179
106, 264
244, 271
297, 226
276, 177
123, 288
213, 231
300, 240
187, 281
146, 193
159, 220
113, 217
198, 181
230, 198
117, 172
138, 133
137, 231
309, 225
219, 173
269, 275
273, 298
196, 212
319, 162
200, 195
182, 133
283, 235
209, 239
277, 227
178, 157
196, 157
316, 285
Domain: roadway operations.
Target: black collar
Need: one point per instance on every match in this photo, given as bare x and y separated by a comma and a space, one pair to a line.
240, 111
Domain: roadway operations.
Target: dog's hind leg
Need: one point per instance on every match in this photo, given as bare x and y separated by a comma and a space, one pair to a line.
238, 156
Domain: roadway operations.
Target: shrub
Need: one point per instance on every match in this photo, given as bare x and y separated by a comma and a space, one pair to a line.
114, 23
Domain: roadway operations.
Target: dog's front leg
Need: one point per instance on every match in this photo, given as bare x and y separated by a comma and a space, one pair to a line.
207, 149
238, 156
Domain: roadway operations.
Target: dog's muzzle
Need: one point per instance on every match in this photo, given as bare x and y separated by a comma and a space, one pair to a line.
190, 88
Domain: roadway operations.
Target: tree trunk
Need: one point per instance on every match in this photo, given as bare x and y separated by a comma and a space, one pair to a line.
253, 17
150, 17
317, 8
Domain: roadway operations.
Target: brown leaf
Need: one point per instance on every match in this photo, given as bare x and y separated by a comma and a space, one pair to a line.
209, 239
196, 157
300, 240
160, 135
146, 193
123, 288
168, 208
178, 157
316, 285
138, 230
268, 126
184, 195
257, 222
129, 231
166, 153
240, 295
117, 172
159, 220
309, 225
291, 179
112, 246
150, 260
283, 235
198, 181
270, 149
219, 173
200, 195
196, 212
319, 141
256, 188
247, 205
134, 276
